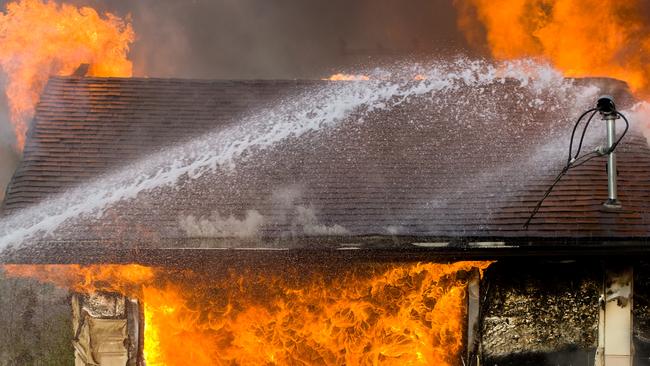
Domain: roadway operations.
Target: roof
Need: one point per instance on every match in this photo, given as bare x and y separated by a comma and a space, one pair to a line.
451, 164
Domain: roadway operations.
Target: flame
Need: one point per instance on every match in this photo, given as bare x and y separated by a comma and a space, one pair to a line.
347, 77
40, 39
124, 279
390, 314
602, 38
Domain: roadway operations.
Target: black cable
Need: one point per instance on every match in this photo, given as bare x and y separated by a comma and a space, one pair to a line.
578, 161
546, 194
582, 136
575, 127
559, 177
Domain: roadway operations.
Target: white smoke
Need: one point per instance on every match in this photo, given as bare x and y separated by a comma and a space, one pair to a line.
217, 226
306, 219
639, 116
393, 229
300, 219
284, 198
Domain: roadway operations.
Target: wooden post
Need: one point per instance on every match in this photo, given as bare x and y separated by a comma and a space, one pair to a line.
473, 317
107, 330
615, 321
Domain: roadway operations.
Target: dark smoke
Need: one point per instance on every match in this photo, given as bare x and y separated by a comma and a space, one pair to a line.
9, 158
282, 38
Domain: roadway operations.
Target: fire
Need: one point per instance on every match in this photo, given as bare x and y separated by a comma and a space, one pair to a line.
401, 314
607, 38
125, 279
40, 39
348, 77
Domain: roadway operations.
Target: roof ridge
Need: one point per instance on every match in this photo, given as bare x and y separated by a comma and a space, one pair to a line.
175, 79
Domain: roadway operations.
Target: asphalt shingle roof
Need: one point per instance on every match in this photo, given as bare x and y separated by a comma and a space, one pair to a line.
414, 170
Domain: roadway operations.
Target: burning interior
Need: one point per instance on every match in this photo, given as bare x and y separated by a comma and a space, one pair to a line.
372, 313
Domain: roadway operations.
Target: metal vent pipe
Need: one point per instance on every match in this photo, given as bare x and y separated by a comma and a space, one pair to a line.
607, 109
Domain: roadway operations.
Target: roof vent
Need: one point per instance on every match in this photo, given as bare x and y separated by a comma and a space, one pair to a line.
607, 109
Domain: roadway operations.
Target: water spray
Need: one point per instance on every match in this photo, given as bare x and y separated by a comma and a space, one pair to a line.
607, 109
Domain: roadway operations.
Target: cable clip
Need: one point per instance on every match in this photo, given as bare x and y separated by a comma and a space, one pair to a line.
602, 151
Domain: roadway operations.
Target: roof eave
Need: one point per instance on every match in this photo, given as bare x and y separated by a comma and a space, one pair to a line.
333, 250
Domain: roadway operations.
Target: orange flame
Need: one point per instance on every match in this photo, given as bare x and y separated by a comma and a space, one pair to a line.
604, 38
391, 314
347, 77
124, 279
40, 39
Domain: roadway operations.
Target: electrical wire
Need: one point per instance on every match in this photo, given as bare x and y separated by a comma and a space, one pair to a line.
575, 161
586, 157
575, 127
582, 136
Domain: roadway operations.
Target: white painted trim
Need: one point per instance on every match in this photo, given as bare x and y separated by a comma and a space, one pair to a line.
615, 319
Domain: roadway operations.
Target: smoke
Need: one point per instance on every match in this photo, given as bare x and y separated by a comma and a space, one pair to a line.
9, 157
216, 226
287, 210
301, 217
307, 220
271, 39
640, 114
303, 221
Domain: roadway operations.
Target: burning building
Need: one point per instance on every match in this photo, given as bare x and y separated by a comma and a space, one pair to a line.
332, 222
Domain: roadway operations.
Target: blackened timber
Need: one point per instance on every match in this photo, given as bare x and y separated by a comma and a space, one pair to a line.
329, 253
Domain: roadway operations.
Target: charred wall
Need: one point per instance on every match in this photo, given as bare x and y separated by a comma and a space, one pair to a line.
641, 312
547, 313
541, 313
